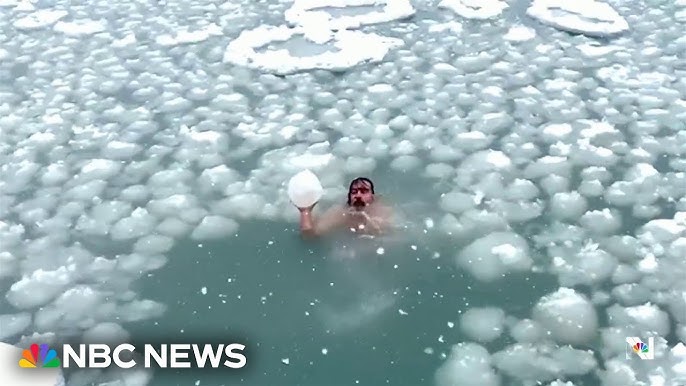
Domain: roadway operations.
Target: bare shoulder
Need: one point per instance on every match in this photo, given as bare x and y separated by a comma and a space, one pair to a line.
383, 207
336, 213
335, 210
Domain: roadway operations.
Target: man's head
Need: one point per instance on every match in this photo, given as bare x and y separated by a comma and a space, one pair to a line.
360, 192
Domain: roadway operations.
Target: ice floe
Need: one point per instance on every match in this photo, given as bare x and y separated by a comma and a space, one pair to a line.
474, 9
585, 16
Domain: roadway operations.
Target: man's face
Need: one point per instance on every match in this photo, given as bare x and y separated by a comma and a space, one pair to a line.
361, 195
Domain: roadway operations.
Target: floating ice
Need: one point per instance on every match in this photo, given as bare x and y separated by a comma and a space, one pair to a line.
456, 202
492, 256
479, 163
483, 324
80, 27
468, 364
662, 231
139, 263
13, 324
141, 310
519, 34
542, 363
558, 382
189, 37
145, 144
644, 318
39, 19
76, 307
568, 205
39, 288
214, 227
174, 227
8, 264
106, 332
475, 9
603, 222
349, 49
153, 244
217, 178
121, 150
18, 176
99, 169
140, 223
527, 331
567, 316
584, 16
172, 205
303, 12
582, 265
547, 166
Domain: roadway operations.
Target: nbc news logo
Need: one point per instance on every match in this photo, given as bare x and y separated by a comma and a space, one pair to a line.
639, 348
162, 356
39, 356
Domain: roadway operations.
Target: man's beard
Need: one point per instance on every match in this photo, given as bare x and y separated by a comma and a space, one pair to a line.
358, 204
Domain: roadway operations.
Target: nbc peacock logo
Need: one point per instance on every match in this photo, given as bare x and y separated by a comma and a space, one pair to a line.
39, 356
636, 347
641, 347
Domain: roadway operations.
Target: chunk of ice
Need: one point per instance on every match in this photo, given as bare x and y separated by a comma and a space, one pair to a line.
214, 227
140, 223
106, 332
662, 230
39, 19
519, 33
645, 318
76, 307
153, 244
527, 331
604, 222
475, 9
351, 48
13, 324
185, 36
307, 12
584, 16
568, 205
174, 227
468, 364
540, 363
138, 310
567, 316
80, 27
39, 287
483, 324
492, 256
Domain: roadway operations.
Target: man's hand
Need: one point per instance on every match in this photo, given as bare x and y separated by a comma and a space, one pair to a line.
306, 209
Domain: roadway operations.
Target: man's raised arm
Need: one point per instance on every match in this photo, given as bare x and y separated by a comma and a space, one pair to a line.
328, 221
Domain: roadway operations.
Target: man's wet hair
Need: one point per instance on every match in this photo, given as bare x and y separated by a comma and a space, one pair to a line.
359, 179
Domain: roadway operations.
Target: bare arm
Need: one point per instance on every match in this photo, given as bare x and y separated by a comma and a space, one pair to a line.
328, 221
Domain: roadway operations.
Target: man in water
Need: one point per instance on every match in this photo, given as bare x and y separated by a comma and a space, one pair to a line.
363, 214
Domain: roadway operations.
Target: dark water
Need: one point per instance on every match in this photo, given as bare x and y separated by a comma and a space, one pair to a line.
291, 300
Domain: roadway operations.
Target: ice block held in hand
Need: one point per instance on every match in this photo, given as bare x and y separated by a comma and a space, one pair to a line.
304, 189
